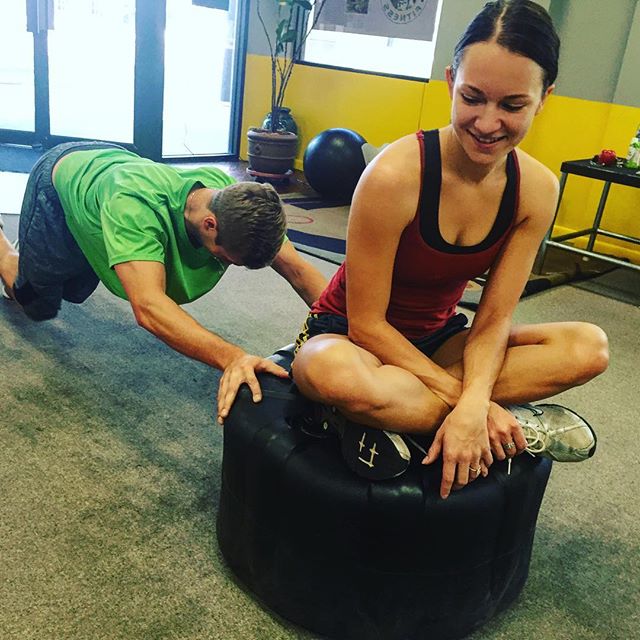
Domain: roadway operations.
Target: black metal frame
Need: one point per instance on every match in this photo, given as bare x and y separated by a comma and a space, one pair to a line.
148, 87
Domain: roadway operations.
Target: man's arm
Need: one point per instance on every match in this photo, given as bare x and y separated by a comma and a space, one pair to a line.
144, 284
306, 280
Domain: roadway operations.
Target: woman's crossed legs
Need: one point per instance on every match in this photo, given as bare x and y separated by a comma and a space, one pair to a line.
541, 360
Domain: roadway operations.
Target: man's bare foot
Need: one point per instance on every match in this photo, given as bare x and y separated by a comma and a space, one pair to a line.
8, 265
5, 246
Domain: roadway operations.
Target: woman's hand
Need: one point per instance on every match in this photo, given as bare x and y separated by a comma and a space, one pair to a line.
464, 443
505, 433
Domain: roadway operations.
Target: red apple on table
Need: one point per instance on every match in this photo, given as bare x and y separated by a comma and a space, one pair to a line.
607, 157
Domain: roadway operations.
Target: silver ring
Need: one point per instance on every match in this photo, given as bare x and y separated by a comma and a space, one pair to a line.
509, 446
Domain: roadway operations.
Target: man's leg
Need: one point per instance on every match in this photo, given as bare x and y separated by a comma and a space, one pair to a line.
49, 255
39, 302
80, 287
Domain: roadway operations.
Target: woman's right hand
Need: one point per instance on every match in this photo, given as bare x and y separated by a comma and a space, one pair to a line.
463, 441
505, 433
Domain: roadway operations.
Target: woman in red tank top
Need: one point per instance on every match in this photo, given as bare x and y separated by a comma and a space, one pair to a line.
430, 212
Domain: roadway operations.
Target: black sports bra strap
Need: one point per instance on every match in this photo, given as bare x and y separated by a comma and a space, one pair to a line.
430, 200
431, 185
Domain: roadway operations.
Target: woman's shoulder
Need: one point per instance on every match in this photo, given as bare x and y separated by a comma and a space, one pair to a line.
538, 184
398, 165
391, 181
402, 149
533, 172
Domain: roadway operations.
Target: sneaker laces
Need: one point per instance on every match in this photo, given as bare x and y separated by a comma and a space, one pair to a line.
538, 435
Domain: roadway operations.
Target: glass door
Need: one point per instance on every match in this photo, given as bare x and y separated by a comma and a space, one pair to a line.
17, 89
67, 70
199, 100
159, 76
91, 51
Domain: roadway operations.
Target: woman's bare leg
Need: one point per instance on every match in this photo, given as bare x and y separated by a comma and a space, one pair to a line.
541, 361
363, 389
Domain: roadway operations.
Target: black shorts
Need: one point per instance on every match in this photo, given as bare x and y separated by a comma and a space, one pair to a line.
51, 266
319, 323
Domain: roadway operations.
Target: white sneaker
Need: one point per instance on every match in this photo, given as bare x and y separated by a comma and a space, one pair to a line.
555, 432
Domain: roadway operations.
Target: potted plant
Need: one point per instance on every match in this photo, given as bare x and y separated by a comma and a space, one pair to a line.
273, 149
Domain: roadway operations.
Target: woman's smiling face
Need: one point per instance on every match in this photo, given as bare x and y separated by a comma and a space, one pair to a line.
495, 95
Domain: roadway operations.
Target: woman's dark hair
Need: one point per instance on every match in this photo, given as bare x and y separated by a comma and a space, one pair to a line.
522, 27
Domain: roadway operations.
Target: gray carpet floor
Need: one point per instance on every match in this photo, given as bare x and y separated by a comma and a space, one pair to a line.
110, 472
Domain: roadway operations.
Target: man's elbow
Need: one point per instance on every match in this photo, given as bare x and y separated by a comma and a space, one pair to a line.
143, 319
143, 313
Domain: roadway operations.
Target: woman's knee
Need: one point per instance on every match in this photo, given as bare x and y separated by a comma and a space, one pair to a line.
329, 370
587, 347
320, 365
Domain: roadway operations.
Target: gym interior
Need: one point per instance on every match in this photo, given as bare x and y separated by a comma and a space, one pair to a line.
111, 464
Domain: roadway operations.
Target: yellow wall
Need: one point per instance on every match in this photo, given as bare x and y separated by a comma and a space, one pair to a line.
384, 109
569, 129
380, 109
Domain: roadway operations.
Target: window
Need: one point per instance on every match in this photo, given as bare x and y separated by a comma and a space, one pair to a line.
365, 35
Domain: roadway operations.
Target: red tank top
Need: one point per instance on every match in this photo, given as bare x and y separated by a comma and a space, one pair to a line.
429, 274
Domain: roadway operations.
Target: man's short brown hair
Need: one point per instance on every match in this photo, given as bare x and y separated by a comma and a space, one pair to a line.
251, 222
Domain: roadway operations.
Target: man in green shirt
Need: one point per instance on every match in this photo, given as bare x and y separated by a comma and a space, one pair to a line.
154, 235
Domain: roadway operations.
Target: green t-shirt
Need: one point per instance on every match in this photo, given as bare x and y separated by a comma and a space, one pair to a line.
121, 207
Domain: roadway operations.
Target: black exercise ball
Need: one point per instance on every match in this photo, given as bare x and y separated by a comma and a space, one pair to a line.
333, 163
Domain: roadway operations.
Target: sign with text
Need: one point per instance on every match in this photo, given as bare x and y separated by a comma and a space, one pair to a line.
409, 19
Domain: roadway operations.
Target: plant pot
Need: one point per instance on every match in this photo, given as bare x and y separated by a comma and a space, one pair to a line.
285, 121
271, 153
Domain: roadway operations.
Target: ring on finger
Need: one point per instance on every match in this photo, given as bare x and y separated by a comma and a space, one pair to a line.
474, 470
509, 446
